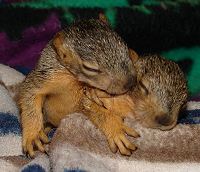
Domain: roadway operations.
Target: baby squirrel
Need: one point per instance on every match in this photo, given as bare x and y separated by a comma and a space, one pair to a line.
156, 101
87, 53
53, 91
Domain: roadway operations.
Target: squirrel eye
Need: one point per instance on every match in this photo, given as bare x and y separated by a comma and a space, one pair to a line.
143, 88
90, 69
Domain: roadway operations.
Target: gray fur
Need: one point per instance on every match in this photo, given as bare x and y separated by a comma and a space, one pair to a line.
168, 81
94, 41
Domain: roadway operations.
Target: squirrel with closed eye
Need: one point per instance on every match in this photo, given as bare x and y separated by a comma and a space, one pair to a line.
156, 102
87, 53
157, 90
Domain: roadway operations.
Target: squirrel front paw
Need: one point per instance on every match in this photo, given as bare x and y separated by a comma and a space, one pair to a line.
34, 139
115, 132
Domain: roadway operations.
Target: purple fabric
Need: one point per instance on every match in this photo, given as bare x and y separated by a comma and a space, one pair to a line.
196, 98
26, 52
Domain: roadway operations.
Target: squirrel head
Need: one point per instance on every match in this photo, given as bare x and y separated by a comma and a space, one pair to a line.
161, 92
96, 55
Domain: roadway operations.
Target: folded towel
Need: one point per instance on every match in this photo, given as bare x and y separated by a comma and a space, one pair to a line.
78, 146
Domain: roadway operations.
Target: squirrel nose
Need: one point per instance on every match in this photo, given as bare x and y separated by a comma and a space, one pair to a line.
163, 120
130, 83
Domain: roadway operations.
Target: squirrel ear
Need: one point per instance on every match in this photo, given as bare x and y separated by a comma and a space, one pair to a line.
58, 44
133, 55
64, 53
104, 19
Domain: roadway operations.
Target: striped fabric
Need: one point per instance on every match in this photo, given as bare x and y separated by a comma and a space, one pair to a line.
72, 154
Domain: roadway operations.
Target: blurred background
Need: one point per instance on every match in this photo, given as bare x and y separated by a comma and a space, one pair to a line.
167, 27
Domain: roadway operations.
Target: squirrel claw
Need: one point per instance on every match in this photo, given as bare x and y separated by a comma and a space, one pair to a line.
29, 149
124, 145
112, 145
92, 95
36, 141
43, 137
129, 131
117, 139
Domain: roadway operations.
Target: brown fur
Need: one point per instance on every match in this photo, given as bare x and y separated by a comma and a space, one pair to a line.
156, 102
161, 92
70, 98
53, 91
88, 52
96, 55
